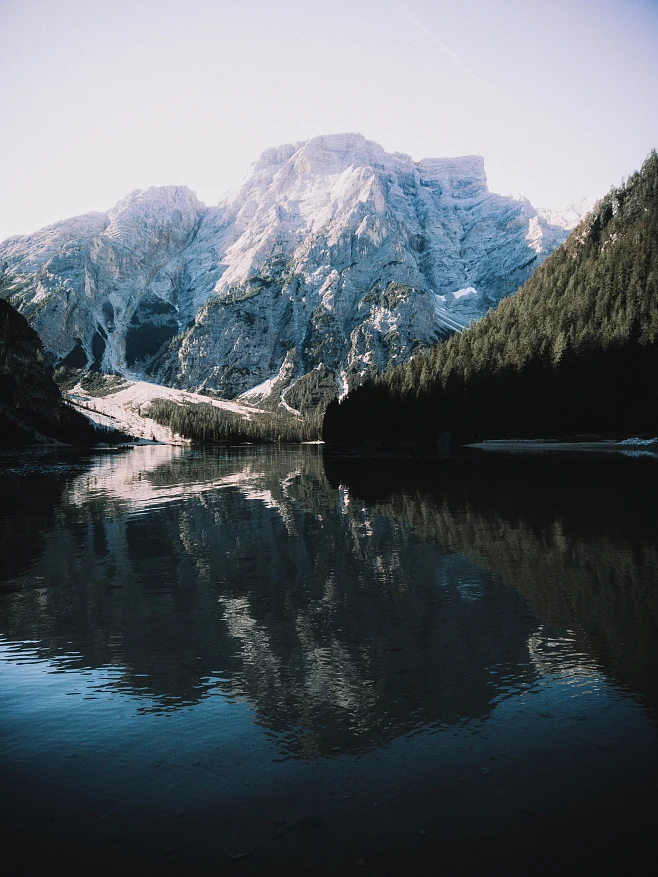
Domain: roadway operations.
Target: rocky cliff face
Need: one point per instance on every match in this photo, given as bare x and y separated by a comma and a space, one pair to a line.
100, 289
30, 402
332, 255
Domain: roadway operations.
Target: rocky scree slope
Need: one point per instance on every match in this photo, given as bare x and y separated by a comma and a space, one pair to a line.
331, 259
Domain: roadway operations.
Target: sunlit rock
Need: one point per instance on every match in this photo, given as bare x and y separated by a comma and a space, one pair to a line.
331, 252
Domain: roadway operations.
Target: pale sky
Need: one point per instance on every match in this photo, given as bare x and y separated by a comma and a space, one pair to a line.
99, 97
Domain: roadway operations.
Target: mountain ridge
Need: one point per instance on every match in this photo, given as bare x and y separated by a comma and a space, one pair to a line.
331, 254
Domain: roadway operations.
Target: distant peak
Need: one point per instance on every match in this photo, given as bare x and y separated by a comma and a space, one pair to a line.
568, 215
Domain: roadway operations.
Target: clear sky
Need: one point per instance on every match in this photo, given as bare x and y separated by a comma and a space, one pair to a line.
98, 97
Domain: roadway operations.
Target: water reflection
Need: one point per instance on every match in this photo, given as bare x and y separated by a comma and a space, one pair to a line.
576, 536
348, 601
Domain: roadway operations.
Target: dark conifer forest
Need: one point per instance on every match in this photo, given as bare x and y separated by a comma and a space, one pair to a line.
574, 352
207, 424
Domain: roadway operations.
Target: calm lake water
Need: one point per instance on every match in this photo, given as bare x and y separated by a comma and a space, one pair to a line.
278, 661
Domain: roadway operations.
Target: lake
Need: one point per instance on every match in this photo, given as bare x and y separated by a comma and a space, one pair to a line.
263, 661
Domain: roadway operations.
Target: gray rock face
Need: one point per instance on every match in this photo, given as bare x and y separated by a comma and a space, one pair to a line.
100, 288
332, 254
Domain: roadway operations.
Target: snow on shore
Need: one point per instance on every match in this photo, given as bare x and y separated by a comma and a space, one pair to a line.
127, 409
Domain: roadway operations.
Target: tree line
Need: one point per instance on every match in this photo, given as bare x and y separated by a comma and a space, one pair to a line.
208, 423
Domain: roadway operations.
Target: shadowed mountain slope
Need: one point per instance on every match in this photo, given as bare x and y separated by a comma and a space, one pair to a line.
31, 406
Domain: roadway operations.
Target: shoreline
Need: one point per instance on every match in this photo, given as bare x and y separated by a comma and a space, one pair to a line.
648, 445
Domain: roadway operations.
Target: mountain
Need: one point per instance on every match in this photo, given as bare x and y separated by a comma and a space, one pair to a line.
331, 259
98, 288
574, 351
31, 406
566, 217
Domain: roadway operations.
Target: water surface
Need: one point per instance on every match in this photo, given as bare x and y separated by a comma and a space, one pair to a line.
261, 661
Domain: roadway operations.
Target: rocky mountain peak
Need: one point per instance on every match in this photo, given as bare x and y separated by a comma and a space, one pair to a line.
330, 259
335, 154
147, 217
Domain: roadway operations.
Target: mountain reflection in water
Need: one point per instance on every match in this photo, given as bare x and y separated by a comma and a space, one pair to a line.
348, 602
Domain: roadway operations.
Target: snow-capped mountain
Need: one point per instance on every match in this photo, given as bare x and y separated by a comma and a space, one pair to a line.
331, 255
569, 216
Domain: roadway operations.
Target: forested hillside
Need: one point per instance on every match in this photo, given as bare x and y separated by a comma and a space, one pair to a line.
574, 351
204, 423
